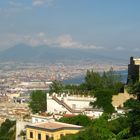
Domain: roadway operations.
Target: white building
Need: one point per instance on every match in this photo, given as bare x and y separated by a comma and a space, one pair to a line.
39, 118
66, 104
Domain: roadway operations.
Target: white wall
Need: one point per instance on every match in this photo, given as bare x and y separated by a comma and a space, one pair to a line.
54, 107
75, 102
38, 119
20, 126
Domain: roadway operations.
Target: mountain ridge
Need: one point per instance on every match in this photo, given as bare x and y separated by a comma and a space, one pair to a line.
26, 53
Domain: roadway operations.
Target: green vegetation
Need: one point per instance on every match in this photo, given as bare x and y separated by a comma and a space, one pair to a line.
38, 102
103, 87
104, 100
8, 130
56, 87
93, 81
134, 113
102, 129
108, 80
81, 120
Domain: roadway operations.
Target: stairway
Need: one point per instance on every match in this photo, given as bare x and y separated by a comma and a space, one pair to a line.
65, 105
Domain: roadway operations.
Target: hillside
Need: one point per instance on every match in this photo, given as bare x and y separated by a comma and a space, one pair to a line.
27, 53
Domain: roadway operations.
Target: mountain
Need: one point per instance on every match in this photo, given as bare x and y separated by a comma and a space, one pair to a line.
26, 53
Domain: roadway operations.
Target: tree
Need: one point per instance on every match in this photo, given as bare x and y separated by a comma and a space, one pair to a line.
134, 109
104, 100
8, 130
77, 120
56, 86
97, 130
93, 80
103, 87
38, 101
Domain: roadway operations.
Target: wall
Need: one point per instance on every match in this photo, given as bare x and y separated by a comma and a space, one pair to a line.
118, 100
56, 135
53, 106
75, 102
37, 119
20, 126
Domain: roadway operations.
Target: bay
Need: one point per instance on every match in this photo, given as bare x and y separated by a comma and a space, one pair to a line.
80, 79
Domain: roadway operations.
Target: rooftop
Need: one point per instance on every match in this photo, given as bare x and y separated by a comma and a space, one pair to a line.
53, 126
136, 59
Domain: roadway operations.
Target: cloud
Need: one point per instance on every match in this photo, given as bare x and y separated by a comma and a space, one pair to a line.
41, 38
13, 7
34, 40
41, 34
66, 41
15, 3
42, 2
8, 12
119, 48
136, 49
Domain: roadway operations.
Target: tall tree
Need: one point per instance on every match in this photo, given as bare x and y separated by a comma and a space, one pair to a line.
38, 101
134, 106
93, 80
56, 87
109, 79
104, 100
8, 130
103, 87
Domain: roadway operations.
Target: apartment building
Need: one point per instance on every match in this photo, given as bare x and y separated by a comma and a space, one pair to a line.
50, 130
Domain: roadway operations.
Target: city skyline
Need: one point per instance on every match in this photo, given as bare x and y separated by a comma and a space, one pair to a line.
106, 27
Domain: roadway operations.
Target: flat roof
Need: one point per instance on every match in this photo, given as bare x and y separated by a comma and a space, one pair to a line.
54, 126
136, 58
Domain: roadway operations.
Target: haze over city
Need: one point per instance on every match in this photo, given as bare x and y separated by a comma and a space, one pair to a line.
106, 28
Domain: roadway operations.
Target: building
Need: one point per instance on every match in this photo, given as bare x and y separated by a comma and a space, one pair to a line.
3, 98
70, 104
119, 99
50, 130
39, 118
20, 127
134, 70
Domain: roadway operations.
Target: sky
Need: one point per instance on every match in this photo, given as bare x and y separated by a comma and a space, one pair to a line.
109, 26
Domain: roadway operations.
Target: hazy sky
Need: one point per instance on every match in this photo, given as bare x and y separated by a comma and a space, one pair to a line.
103, 25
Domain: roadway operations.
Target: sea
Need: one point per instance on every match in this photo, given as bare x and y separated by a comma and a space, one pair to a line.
81, 78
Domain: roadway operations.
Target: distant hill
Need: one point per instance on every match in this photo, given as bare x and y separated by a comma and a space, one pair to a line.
25, 53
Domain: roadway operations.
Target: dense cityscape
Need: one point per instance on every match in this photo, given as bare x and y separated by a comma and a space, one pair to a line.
19, 81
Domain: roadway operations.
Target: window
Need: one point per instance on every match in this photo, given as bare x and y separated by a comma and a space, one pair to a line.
47, 137
31, 134
39, 136
52, 138
61, 135
73, 106
36, 120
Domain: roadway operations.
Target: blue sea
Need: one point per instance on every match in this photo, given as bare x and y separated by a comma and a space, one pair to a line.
80, 79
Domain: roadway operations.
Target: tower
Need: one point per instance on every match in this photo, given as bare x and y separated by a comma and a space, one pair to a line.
133, 70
